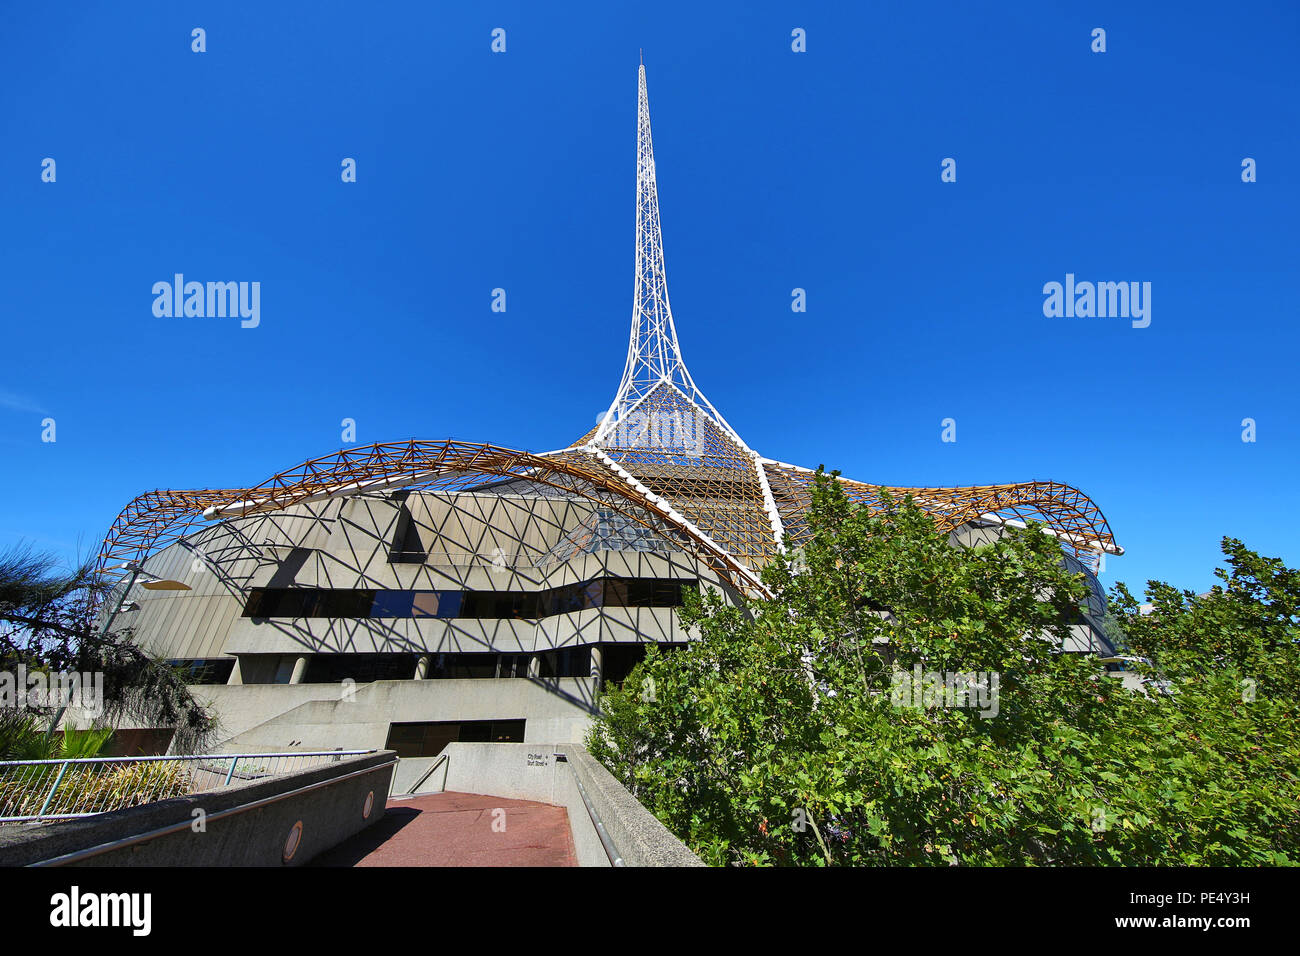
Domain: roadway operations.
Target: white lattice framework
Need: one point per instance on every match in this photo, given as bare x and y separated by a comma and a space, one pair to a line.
662, 456
654, 358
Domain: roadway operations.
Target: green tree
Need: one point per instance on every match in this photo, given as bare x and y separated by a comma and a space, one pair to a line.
1218, 737
47, 624
779, 737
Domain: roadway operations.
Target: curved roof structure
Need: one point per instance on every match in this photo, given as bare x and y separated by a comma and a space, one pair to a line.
661, 456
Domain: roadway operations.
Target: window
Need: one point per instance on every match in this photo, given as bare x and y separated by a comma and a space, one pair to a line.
500, 605
284, 669
394, 604
429, 738
463, 666
212, 670
566, 662
421, 740
513, 665
449, 603
362, 668
616, 594
426, 603
617, 660
647, 592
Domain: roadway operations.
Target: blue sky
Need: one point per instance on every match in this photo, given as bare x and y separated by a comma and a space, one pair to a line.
777, 170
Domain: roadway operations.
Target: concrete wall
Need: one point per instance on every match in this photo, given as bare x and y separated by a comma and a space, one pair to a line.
332, 811
532, 772
287, 717
637, 833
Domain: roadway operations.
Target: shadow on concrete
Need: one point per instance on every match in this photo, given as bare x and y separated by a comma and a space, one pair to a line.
353, 850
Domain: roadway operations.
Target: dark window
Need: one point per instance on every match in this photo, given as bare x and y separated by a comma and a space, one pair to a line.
504, 731
463, 666
513, 665
617, 660
449, 603
362, 668
392, 604
643, 592
498, 605
476, 666
212, 670
566, 662
421, 740
563, 600
344, 604
616, 593
414, 604
308, 602
428, 739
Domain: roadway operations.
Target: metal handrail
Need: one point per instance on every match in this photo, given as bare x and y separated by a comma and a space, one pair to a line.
443, 757
93, 785
145, 759
606, 841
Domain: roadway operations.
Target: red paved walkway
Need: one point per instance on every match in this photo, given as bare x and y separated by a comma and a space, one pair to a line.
457, 829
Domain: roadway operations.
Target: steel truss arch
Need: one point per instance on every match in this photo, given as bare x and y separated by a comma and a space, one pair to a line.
158, 518
1065, 511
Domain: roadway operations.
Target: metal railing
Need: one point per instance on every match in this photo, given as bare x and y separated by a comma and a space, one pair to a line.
78, 855
36, 790
606, 841
443, 760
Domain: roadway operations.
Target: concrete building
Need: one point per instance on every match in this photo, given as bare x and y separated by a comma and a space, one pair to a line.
416, 593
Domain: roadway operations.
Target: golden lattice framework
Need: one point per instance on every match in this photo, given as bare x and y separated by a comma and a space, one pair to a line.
661, 456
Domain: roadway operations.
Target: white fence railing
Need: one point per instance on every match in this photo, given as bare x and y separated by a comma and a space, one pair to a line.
36, 790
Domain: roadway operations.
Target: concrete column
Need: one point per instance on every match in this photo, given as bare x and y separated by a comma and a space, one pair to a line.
422, 667
299, 670
236, 676
535, 666
597, 665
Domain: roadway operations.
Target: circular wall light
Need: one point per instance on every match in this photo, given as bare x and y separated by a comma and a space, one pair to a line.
292, 842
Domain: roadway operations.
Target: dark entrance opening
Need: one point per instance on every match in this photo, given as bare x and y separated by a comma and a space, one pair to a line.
428, 738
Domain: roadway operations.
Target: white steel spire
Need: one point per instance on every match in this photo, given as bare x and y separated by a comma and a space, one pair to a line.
654, 358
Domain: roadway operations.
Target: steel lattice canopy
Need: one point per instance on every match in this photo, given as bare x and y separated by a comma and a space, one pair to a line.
662, 456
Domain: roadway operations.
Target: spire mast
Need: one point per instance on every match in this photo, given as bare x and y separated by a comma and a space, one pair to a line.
653, 355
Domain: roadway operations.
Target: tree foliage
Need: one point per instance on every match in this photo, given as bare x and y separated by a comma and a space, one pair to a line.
47, 624
777, 738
